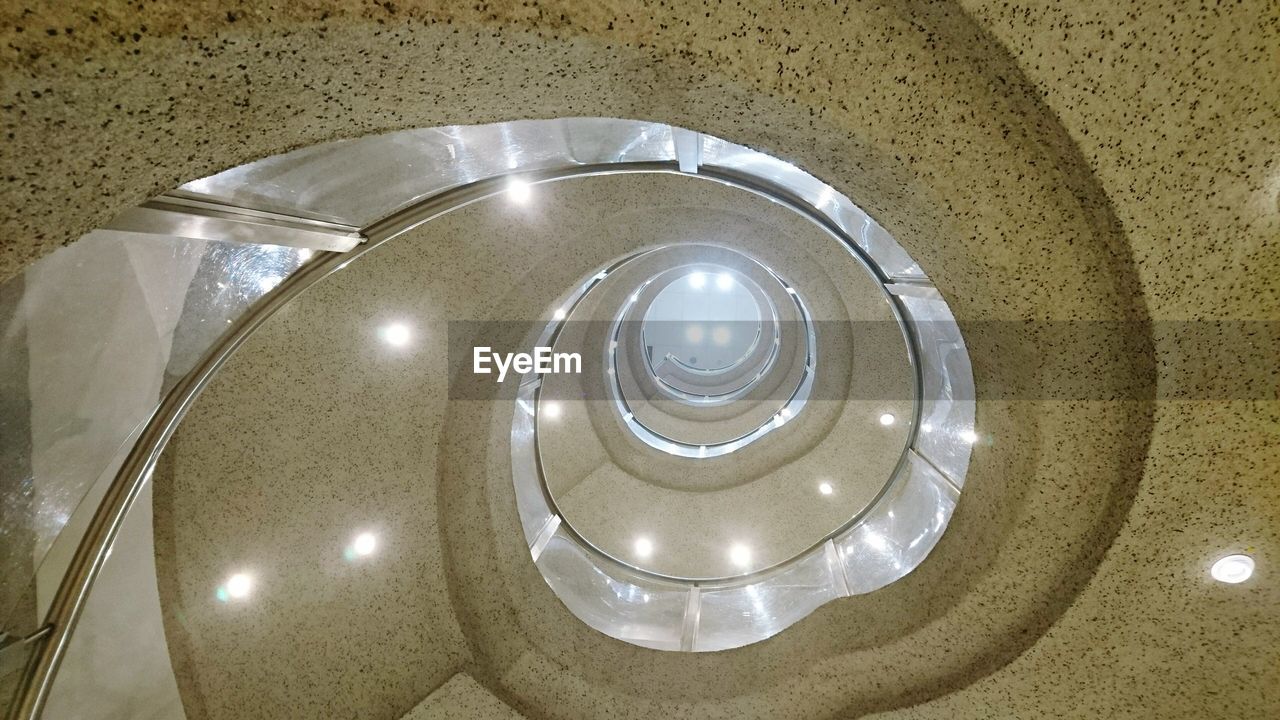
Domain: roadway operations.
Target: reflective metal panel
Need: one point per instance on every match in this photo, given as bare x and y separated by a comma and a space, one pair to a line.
873, 240
946, 432
611, 599
736, 616
118, 664
356, 182
94, 336
531, 501
900, 531
201, 220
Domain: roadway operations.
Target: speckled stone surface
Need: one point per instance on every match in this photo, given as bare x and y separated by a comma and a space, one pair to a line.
1039, 160
270, 428
313, 462
462, 698
612, 489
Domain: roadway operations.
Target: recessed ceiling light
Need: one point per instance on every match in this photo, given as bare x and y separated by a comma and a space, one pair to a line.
1232, 569
887, 419
238, 586
724, 281
552, 410
395, 334
825, 488
698, 280
740, 555
365, 544
644, 547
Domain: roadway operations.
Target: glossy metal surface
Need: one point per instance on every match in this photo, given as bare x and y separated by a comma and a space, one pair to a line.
182, 217
384, 185
790, 408
104, 328
359, 182
947, 416
881, 546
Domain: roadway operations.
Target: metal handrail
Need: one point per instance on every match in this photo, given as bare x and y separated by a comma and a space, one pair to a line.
69, 602
87, 563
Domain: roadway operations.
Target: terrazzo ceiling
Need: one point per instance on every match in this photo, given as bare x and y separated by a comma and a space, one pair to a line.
1109, 163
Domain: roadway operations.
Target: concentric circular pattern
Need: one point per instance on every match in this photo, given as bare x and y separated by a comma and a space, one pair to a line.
649, 547
704, 347
742, 439
749, 468
716, 362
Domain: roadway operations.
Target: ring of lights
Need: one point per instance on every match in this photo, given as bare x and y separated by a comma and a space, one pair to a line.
685, 380
874, 548
767, 387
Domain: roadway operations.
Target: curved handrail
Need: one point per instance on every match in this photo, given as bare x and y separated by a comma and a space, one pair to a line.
87, 563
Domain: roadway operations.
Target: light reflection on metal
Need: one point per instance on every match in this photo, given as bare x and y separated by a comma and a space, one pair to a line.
387, 184
183, 217
792, 407
922, 496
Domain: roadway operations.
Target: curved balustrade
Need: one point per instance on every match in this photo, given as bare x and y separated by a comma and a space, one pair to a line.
385, 185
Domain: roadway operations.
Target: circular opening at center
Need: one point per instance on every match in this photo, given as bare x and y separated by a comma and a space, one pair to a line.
706, 321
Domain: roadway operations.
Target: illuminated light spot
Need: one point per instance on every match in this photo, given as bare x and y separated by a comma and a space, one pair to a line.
724, 281
365, 544
237, 587
519, 191
876, 540
740, 555
825, 488
887, 419
827, 195
552, 410
395, 334
1232, 569
644, 547
698, 280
